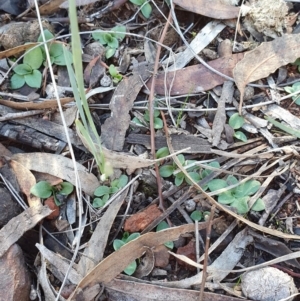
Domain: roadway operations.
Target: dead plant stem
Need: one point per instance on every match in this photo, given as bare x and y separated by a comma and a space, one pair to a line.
151, 111
207, 243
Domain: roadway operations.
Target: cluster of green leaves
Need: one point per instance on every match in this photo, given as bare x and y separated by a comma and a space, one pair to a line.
33, 59
168, 170
44, 190
119, 243
146, 8
157, 122
294, 88
103, 193
236, 121
56, 50
116, 76
28, 71
126, 238
110, 39
238, 196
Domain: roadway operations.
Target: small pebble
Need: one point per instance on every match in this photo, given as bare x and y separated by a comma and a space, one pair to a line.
105, 81
190, 205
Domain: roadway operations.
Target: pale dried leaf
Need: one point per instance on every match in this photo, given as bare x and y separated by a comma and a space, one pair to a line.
94, 251
204, 8
25, 180
18, 225
59, 166
265, 59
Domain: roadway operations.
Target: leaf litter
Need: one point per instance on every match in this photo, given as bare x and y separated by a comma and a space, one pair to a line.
239, 144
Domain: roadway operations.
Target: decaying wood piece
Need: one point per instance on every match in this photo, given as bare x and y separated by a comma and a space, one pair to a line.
40, 132
29, 136
18, 225
197, 145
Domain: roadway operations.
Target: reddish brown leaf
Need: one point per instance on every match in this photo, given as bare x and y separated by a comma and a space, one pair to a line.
139, 221
216, 10
196, 78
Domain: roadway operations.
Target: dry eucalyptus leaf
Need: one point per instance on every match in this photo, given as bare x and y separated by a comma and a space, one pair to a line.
204, 8
196, 78
59, 166
107, 269
265, 59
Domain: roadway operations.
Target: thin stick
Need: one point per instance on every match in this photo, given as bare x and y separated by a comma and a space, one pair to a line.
211, 216
151, 111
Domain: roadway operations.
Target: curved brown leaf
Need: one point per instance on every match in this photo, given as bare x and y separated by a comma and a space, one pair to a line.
265, 59
196, 78
213, 9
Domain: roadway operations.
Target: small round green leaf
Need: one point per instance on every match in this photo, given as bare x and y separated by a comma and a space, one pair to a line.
146, 10
241, 205
100, 37
216, 184
17, 81
259, 205
226, 198
34, 80
118, 244
110, 52
197, 215
111, 41
158, 123
113, 190
112, 70
122, 181
130, 269
289, 89
236, 121
98, 203
48, 36
119, 32
132, 236
102, 190
241, 136
248, 188
194, 175
66, 188
179, 179
232, 180
156, 113
166, 171
181, 158
34, 58
56, 49
42, 189
169, 244
23, 69
162, 152
162, 226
